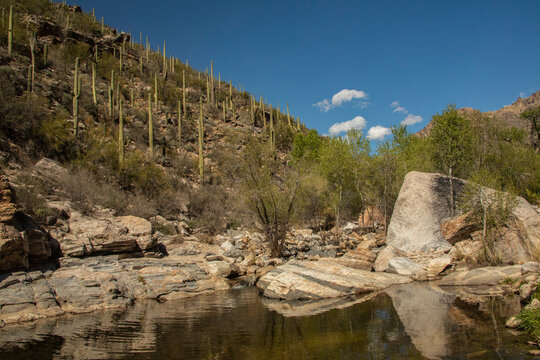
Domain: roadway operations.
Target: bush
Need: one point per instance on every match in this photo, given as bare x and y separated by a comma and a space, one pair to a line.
210, 206
530, 322
83, 189
29, 195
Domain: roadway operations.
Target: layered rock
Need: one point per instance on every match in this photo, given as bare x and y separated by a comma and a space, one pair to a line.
107, 282
326, 278
486, 276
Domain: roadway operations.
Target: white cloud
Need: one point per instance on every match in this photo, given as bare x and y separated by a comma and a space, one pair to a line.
397, 108
340, 98
347, 95
378, 132
357, 123
411, 119
324, 105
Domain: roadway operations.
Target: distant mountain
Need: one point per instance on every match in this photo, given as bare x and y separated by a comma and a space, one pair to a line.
508, 115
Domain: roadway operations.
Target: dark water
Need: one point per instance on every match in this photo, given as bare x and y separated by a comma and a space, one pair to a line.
414, 321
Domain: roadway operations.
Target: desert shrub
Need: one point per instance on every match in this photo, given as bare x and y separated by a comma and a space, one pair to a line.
30, 195
138, 204
75, 50
85, 192
54, 139
106, 63
530, 322
209, 205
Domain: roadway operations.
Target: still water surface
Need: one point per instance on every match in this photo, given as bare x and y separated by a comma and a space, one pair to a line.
413, 321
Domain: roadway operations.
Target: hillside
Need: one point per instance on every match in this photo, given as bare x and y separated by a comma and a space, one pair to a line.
160, 166
508, 116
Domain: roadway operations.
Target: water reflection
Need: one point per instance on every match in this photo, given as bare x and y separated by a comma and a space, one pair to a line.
413, 321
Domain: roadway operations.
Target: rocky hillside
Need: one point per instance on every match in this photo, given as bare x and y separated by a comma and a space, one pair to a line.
68, 81
509, 116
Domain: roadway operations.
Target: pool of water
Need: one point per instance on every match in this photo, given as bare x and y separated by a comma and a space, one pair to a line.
413, 321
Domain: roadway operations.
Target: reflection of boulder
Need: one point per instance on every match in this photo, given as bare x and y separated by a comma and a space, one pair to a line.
424, 314
298, 308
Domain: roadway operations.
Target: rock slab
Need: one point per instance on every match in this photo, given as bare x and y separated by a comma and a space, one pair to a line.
326, 278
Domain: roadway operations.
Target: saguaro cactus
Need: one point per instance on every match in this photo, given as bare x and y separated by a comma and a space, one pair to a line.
10, 31
272, 138
76, 94
179, 120
288, 116
207, 91
212, 81
184, 92
121, 136
32, 43
263, 115
252, 106
121, 52
150, 125
164, 62
201, 140
94, 97
155, 89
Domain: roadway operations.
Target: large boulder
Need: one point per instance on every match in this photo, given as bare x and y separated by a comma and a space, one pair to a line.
422, 222
101, 235
423, 202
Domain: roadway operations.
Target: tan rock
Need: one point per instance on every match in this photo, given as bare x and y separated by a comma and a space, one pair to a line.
361, 254
437, 265
458, 228
491, 275
381, 263
406, 267
326, 278
139, 228
7, 202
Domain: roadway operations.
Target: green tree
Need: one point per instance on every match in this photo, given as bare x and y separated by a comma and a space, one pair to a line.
451, 146
489, 209
336, 163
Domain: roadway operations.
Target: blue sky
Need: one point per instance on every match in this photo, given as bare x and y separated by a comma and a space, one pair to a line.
361, 56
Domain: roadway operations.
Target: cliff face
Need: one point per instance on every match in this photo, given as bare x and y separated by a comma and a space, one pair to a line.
508, 115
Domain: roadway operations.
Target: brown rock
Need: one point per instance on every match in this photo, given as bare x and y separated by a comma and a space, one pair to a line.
13, 249
458, 228
7, 202
361, 254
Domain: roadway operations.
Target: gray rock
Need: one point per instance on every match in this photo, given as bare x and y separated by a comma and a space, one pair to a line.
383, 258
421, 205
325, 278
405, 267
491, 275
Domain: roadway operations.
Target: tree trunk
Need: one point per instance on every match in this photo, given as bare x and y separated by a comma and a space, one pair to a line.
452, 206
